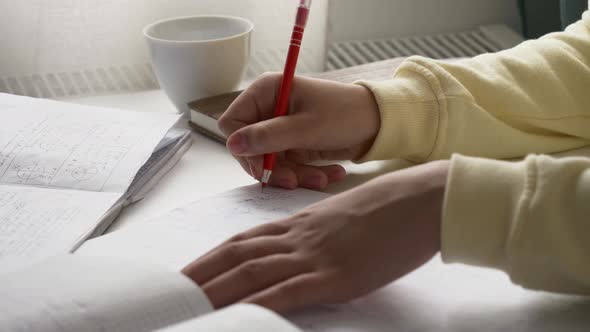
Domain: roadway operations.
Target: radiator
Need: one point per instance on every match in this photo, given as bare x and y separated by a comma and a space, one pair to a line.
488, 39
139, 77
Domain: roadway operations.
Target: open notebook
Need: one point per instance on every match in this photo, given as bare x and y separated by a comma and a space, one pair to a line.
436, 297
71, 294
67, 170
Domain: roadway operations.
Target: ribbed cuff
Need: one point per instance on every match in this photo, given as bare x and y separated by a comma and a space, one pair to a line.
410, 117
481, 204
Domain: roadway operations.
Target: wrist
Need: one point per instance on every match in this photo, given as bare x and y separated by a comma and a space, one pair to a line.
423, 189
440, 174
368, 117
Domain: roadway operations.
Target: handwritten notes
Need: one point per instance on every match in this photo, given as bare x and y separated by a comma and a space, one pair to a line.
240, 209
59, 145
184, 234
36, 223
62, 168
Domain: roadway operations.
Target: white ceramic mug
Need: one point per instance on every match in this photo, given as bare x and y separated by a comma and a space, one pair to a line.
199, 56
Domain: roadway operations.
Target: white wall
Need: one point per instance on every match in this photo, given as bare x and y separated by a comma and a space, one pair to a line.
363, 19
66, 35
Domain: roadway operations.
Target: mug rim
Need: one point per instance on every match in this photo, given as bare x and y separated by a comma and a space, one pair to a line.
150, 26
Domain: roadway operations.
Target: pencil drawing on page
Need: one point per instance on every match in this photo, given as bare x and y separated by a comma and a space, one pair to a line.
60, 149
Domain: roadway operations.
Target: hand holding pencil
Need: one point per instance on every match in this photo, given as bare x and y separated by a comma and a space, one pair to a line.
325, 121
282, 106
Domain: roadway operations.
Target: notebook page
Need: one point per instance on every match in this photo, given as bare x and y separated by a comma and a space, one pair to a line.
184, 234
437, 297
60, 145
37, 222
236, 318
69, 293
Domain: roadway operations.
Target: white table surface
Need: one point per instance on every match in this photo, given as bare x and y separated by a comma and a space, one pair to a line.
206, 169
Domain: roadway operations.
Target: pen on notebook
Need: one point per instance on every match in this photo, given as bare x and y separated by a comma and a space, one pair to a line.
282, 105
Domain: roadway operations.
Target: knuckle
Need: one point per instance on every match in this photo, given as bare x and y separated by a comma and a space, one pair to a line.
236, 238
301, 156
269, 77
266, 82
252, 271
233, 252
293, 291
278, 227
305, 263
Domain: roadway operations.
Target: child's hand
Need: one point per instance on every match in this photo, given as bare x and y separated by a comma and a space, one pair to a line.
326, 121
337, 250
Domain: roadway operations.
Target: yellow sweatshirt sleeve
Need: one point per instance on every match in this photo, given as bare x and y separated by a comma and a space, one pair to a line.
534, 98
530, 219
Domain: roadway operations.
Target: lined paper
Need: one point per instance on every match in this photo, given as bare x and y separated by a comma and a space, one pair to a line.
62, 168
36, 223
59, 145
184, 234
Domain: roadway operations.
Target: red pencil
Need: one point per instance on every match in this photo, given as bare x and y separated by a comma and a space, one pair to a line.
282, 106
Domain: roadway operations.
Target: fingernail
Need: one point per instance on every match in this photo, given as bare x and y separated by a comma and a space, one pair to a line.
315, 182
237, 144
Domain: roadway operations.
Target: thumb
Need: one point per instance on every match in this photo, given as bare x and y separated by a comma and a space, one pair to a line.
274, 135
